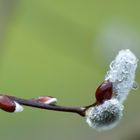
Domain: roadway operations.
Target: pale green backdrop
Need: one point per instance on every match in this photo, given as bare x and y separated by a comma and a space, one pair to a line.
63, 48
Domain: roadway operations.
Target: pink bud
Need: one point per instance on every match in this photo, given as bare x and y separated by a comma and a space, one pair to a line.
47, 100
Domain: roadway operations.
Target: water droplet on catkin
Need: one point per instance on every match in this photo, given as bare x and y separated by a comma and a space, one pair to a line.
135, 86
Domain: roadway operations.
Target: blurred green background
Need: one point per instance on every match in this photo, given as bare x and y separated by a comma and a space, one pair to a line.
63, 48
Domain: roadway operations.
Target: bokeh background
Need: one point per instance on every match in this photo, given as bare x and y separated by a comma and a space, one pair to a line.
63, 48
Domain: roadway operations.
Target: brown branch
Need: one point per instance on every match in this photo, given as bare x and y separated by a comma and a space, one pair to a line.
8, 103
34, 103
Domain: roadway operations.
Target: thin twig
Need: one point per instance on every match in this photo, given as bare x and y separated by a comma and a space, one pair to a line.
33, 103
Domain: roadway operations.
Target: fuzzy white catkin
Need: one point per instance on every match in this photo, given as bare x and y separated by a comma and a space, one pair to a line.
104, 116
122, 74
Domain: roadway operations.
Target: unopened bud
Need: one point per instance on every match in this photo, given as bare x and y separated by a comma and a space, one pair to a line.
9, 105
104, 92
47, 100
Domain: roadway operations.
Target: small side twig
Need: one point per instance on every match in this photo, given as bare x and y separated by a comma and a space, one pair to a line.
33, 103
14, 104
54, 107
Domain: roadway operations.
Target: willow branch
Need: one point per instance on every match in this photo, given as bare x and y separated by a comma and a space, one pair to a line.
35, 104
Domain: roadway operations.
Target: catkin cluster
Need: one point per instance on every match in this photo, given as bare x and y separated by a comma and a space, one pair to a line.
122, 75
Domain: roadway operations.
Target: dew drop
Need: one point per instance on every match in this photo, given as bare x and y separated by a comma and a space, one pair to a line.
135, 86
112, 64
